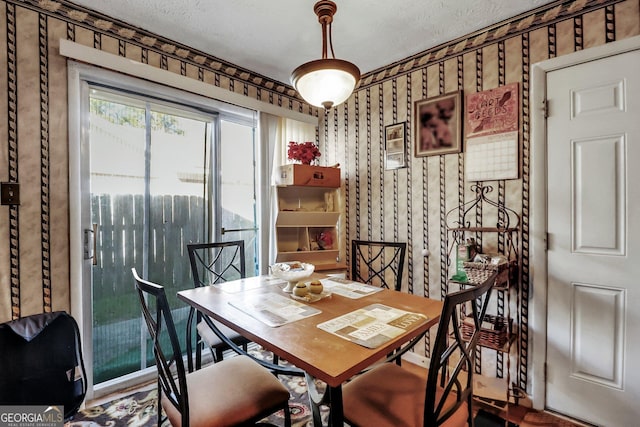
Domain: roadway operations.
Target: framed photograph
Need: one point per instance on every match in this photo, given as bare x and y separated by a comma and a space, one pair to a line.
395, 146
438, 123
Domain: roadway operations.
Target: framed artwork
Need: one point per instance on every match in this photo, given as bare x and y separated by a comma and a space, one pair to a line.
395, 146
438, 123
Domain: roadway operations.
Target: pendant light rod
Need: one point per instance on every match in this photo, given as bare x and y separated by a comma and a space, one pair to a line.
328, 81
325, 9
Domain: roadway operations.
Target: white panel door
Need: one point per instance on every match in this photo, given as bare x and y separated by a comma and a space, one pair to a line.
593, 154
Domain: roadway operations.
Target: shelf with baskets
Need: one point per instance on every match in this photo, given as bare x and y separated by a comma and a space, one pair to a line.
309, 219
471, 265
494, 332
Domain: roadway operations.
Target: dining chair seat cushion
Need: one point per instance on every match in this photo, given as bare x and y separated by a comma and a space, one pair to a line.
391, 396
228, 393
211, 338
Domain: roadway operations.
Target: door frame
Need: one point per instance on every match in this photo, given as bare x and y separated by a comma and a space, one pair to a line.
538, 219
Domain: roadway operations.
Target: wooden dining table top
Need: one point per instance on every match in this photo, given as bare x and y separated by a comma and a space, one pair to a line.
321, 354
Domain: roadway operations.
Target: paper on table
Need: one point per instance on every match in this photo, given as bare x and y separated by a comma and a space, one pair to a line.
274, 309
247, 284
374, 325
348, 288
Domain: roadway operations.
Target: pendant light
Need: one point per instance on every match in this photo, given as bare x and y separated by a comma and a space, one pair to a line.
325, 82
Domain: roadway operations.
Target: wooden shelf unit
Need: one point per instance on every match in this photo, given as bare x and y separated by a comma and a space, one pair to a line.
306, 214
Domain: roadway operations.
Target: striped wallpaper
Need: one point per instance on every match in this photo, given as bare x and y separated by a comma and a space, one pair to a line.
408, 204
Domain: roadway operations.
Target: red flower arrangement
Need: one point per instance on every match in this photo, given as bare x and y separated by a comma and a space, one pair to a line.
305, 152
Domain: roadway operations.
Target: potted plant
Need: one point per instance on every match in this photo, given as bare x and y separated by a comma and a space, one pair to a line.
304, 152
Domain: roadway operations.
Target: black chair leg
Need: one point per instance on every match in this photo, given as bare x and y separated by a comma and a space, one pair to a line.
199, 346
161, 419
287, 416
189, 340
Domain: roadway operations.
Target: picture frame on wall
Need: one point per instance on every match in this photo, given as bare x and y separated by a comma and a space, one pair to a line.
395, 146
492, 137
438, 125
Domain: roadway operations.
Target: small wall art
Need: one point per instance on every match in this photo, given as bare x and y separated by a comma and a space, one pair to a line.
438, 123
395, 146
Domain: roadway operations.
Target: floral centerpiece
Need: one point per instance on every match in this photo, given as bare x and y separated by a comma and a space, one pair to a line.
305, 152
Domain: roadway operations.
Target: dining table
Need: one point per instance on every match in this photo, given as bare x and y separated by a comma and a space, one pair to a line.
331, 337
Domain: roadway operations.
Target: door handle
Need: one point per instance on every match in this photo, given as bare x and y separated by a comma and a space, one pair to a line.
233, 230
90, 243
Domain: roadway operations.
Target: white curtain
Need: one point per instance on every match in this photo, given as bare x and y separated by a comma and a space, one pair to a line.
275, 134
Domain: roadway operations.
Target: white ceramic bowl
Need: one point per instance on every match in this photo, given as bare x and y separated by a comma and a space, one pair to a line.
292, 272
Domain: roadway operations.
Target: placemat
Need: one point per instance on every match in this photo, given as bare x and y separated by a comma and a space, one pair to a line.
348, 288
246, 284
274, 309
373, 325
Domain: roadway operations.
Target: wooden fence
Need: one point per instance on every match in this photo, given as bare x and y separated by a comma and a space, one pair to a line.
174, 221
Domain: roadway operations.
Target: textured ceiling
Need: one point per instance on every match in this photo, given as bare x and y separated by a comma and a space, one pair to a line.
273, 37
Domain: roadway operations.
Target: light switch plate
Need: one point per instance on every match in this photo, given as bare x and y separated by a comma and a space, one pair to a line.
9, 193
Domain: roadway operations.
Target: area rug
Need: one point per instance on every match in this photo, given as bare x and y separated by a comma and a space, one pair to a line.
544, 419
137, 410
140, 409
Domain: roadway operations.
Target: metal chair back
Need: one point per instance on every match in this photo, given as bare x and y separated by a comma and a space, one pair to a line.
378, 263
213, 263
454, 354
216, 262
166, 347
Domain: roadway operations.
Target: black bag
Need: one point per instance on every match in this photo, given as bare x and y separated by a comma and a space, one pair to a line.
41, 362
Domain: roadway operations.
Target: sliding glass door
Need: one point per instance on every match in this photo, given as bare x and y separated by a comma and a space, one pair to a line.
238, 194
150, 168
156, 175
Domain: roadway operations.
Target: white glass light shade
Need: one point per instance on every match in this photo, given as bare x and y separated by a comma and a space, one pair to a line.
325, 82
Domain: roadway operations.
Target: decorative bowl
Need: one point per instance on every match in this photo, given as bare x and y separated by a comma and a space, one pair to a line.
292, 272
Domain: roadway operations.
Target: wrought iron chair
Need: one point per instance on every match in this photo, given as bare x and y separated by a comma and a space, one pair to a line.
378, 263
235, 391
213, 263
390, 395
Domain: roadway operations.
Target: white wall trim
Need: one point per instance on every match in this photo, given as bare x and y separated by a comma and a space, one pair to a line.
417, 359
75, 232
538, 220
110, 61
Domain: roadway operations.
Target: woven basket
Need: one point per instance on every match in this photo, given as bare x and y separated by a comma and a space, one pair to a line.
478, 272
483, 266
494, 336
476, 276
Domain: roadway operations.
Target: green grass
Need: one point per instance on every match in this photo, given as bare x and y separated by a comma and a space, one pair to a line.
109, 308
124, 306
129, 361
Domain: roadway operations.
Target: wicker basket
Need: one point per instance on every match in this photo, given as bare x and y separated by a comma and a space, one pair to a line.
484, 266
478, 272
495, 335
476, 276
